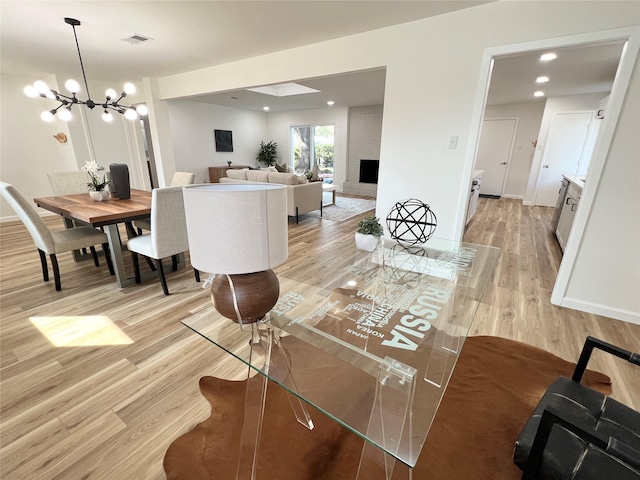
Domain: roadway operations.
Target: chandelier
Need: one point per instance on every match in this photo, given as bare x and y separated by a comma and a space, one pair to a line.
40, 88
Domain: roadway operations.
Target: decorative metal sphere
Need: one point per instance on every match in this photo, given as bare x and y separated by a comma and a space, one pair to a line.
411, 221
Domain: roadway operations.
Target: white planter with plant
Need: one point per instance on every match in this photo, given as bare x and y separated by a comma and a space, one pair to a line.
368, 233
98, 185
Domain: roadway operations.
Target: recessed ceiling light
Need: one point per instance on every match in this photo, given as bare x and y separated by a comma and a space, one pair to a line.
542, 79
330, 102
548, 56
266, 109
539, 93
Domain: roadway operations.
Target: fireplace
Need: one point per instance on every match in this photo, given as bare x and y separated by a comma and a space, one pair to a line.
369, 171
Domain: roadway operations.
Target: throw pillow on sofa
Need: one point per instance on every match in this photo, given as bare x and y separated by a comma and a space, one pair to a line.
238, 174
258, 176
281, 168
283, 178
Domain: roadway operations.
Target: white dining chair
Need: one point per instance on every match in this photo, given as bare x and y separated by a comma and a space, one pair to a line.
168, 236
54, 242
69, 182
179, 178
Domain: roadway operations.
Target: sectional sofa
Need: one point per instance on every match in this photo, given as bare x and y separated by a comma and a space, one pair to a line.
302, 196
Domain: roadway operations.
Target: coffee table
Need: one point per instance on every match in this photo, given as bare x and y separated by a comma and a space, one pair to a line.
330, 188
390, 324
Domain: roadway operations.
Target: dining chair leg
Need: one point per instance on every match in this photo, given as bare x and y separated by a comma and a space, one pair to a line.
107, 256
197, 274
131, 233
136, 266
96, 262
150, 263
45, 268
174, 263
163, 279
56, 271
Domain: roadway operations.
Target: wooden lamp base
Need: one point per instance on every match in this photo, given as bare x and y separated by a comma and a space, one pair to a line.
255, 294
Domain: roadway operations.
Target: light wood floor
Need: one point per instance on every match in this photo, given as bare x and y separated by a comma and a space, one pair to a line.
111, 411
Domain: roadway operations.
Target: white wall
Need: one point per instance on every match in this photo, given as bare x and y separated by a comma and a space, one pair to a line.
278, 124
27, 147
555, 104
529, 118
605, 278
192, 126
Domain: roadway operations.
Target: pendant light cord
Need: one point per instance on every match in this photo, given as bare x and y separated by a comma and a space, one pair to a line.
81, 63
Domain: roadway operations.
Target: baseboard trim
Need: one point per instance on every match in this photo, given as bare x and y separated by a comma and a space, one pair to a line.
516, 197
604, 310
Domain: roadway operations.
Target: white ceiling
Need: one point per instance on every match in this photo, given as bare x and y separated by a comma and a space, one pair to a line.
579, 69
188, 35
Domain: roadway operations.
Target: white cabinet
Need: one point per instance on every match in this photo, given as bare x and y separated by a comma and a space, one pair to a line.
567, 214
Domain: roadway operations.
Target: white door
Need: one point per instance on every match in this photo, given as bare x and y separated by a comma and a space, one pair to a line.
565, 147
494, 153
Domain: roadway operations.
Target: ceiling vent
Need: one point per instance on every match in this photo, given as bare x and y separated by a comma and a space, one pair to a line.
136, 38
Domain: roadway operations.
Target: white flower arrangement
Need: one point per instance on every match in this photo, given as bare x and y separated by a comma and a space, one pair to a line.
98, 182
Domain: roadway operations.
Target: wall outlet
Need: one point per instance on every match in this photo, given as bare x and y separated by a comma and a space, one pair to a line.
453, 141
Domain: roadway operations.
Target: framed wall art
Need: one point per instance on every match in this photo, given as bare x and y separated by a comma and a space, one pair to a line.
224, 140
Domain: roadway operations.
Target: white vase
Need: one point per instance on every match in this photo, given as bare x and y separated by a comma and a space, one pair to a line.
99, 196
365, 242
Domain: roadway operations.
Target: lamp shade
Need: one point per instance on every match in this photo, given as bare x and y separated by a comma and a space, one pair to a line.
236, 228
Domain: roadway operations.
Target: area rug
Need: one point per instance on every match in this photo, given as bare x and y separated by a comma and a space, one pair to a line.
494, 388
347, 207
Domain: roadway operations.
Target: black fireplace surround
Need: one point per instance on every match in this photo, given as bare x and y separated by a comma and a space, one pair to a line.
369, 171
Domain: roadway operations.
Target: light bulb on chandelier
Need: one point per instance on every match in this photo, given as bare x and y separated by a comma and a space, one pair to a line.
111, 102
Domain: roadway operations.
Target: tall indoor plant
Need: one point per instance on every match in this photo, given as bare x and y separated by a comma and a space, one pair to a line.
268, 153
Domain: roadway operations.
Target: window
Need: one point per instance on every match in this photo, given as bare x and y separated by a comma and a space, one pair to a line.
313, 145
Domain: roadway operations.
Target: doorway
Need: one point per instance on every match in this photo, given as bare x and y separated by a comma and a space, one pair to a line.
566, 146
312, 150
627, 42
494, 153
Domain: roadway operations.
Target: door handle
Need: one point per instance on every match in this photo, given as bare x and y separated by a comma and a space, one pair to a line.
545, 166
503, 163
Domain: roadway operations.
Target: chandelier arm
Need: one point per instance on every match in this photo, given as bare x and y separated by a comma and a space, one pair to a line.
115, 107
86, 85
65, 99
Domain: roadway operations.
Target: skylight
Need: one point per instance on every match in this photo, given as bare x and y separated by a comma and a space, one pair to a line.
284, 90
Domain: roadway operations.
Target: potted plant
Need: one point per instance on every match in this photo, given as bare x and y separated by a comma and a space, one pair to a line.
368, 233
98, 181
268, 153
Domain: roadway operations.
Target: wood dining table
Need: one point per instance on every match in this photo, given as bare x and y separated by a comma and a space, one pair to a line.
107, 215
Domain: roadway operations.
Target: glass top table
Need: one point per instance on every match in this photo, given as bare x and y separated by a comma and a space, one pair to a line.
373, 343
